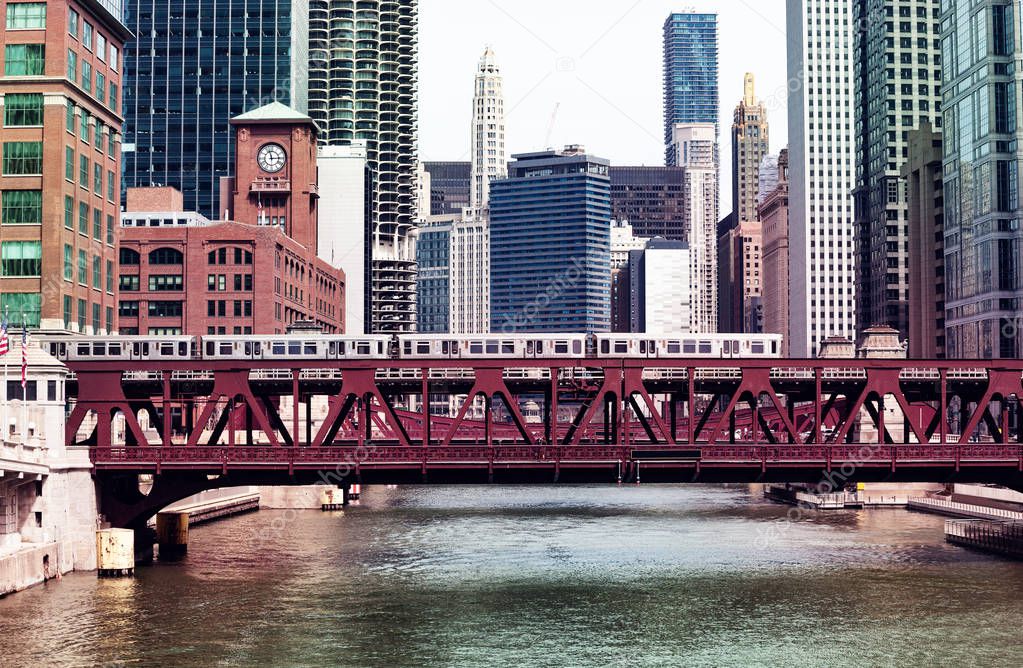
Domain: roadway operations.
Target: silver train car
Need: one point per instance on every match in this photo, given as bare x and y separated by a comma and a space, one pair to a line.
412, 347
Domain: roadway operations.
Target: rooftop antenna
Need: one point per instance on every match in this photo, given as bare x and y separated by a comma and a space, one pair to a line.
550, 126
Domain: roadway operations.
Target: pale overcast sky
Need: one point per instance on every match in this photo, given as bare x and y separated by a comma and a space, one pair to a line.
602, 60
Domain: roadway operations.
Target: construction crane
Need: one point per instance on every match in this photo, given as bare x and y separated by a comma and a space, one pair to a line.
550, 126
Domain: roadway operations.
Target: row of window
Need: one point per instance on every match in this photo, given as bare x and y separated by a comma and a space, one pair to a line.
105, 51
83, 269
217, 308
84, 172
83, 313
89, 132
83, 220
104, 93
23, 158
156, 309
218, 282
157, 283
219, 256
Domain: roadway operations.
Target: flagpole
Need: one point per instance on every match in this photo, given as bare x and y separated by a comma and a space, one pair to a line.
6, 424
24, 375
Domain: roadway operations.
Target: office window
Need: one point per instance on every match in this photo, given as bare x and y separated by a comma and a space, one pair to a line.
29, 393
83, 125
115, 56
69, 164
72, 65
26, 16
110, 230
128, 309
87, 76
23, 109
97, 225
72, 22
98, 135
81, 315
110, 143
22, 307
166, 283
162, 309
23, 158
97, 272
22, 207
95, 318
113, 96
87, 35
166, 256
101, 86
69, 212
67, 312
70, 117
128, 257
97, 178
128, 284
21, 60
83, 268
21, 258
83, 171
110, 187
110, 276
101, 47
69, 263
110, 319
83, 218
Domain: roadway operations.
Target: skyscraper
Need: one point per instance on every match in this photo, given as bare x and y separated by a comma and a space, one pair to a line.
822, 232
449, 187
923, 173
898, 89
453, 291
550, 232
774, 220
982, 132
694, 147
690, 72
651, 199
750, 143
60, 137
191, 68
487, 147
363, 87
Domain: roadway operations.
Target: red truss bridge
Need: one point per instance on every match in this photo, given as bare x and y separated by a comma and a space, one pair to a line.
563, 420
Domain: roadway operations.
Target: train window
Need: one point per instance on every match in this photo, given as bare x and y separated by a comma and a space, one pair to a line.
406, 347
674, 347
99, 349
166, 349
621, 347
605, 347
507, 347
248, 348
689, 347
209, 349
278, 347
363, 348
561, 347
182, 349
642, 347
380, 348
226, 349
774, 347
114, 349
83, 349
577, 347
705, 347
309, 349
492, 348
727, 347
758, 347
294, 347
444, 348
423, 348
529, 347
476, 347
735, 347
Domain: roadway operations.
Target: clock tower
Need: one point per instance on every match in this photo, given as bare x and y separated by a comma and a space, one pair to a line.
275, 180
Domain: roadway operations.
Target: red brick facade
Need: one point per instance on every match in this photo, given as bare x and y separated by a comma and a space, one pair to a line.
67, 210
255, 276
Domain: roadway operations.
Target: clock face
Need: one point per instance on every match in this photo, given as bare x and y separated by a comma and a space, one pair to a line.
271, 158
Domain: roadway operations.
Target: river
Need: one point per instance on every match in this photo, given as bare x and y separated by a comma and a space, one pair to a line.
523, 576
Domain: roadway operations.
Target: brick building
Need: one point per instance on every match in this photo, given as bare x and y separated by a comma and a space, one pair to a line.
181, 273
60, 83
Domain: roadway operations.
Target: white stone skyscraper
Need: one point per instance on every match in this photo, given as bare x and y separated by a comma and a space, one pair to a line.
822, 172
487, 144
694, 146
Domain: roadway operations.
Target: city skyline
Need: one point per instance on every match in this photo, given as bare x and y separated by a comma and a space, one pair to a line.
586, 76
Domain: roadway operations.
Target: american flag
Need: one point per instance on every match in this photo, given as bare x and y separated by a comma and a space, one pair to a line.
5, 344
24, 358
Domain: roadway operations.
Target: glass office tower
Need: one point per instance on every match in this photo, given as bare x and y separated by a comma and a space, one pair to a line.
690, 72
550, 244
983, 218
192, 67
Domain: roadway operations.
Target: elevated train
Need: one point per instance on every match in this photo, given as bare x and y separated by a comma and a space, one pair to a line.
412, 346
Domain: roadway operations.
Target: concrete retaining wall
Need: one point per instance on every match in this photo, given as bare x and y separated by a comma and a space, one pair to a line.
29, 566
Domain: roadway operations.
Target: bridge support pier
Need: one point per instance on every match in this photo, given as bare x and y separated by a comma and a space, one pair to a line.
172, 535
